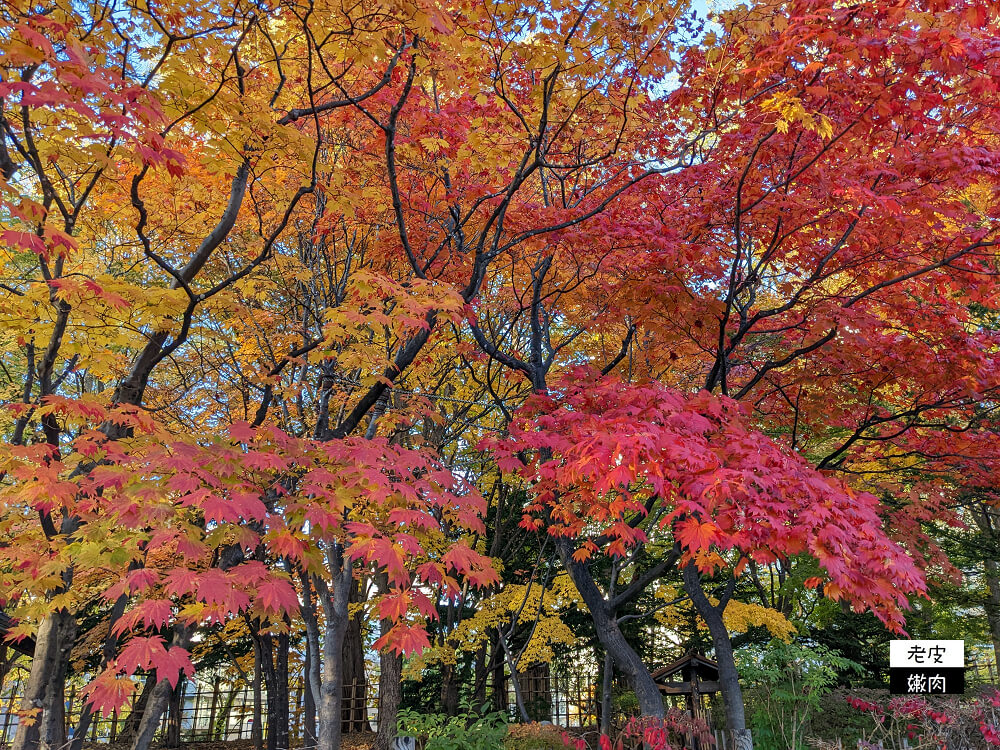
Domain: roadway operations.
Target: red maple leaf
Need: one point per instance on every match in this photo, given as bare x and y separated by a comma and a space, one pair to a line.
404, 640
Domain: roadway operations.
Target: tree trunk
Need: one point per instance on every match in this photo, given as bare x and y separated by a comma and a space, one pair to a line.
522, 710
355, 707
107, 654
130, 727
281, 696
606, 686
480, 673
500, 697
729, 678
449, 690
173, 737
43, 691
258, 706
992, 605
331, 692
151, 716
626, 660
160, 696
390, 694
264, 644
312, 662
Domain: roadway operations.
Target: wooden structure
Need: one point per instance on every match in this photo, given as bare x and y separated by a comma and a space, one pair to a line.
692, 676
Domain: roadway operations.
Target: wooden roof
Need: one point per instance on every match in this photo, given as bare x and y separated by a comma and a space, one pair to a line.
687, 667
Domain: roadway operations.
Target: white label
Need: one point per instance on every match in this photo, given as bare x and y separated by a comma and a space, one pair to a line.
926, 654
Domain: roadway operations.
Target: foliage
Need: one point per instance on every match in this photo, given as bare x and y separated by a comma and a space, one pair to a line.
533, 736
717, 484
465, 731
668, 733
938, 723
441, 322
786, 682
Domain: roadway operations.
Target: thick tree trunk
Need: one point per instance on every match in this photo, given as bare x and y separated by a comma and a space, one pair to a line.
331, 691
43, 692
258, 705
151, 716
390, 694
501, 701
480, 674
729, 678
607, 675
449, 690
107, 654
626, 660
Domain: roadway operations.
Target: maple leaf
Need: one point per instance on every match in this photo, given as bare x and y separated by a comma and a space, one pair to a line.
696, 535
394, 606
241, 432
170, 664
109, 692
404, 640
141, 652
277, 596
152, 613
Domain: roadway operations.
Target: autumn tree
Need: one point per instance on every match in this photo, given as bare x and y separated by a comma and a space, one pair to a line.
816, 261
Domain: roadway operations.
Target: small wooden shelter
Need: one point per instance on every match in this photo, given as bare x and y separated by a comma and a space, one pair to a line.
692, 676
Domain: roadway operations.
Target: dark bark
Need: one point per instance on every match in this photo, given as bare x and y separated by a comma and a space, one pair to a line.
449, 690
107, 654
355, 708
130, 727
258, 705
500, 700
173, 735
43, 692
390, 694
160, 696
991, 568
992, 604
626, 660
480, 673
312, 661
607, 675
729, 678
150, 721
271, 685
280, 718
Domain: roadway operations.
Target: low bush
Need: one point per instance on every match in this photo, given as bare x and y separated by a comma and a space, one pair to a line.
466, 731
533, 736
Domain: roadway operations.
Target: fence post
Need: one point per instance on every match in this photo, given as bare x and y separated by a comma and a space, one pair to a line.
211, 712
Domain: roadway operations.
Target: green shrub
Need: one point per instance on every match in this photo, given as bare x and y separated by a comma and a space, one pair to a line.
465, 731
786, 683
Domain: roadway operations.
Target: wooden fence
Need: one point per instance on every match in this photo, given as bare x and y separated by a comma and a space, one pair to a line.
207, 712
220, 711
